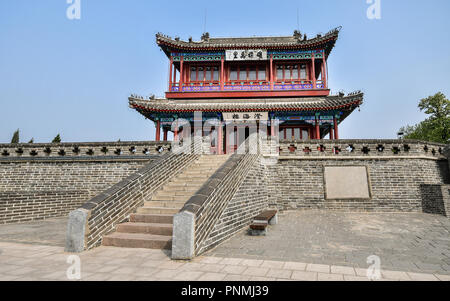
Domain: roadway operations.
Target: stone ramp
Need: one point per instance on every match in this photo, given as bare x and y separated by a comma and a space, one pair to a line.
152, 225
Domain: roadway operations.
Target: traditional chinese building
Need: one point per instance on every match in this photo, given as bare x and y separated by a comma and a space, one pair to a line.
281, 81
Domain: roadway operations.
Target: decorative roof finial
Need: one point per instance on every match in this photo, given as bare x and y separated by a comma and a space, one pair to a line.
205, 36
190, 39
297, 34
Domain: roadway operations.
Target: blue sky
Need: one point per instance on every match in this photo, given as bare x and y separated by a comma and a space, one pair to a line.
73, 77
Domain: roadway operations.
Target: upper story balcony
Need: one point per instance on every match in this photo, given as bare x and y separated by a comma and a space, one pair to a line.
224, 79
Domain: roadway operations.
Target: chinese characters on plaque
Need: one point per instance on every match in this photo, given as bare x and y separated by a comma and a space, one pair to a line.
240, 117
246, 55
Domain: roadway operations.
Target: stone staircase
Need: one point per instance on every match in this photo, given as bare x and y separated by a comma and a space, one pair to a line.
151, 226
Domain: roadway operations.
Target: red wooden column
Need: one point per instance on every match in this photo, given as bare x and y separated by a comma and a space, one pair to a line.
181, 74
222, 73
313, 70
336, 130
271, 72
317, 136
324, 71
170, 73
158, 130
331, 133
165, 134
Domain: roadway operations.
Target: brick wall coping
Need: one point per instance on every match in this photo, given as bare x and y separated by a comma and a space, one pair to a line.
353, 158
365, 141
84, 149
94, 144
78, 159
367, 149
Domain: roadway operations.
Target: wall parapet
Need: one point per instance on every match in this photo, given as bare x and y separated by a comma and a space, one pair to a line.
94, 150
100, 215
361, 148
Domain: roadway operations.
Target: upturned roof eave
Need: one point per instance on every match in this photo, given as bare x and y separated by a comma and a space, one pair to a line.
321, 103
327, 41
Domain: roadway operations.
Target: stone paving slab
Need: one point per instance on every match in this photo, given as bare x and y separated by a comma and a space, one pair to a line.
412, 242
23, 262
46, 232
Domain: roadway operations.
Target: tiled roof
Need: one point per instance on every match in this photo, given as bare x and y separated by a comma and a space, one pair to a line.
239, 105
292, 42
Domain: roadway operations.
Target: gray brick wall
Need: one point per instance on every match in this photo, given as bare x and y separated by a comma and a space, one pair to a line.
38, 190
39, 181
396, 184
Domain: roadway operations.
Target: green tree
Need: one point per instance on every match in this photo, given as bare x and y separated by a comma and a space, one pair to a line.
15, 139
57, 139
436, 128
31, 141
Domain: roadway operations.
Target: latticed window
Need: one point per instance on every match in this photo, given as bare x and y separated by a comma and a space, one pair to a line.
248, 73
303, 71
204, 73
288, 72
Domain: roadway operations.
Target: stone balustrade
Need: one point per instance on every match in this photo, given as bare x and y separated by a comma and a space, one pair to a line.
84, 150
360, 148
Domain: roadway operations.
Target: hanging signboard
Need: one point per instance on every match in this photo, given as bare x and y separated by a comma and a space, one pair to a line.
246, 55
246, 116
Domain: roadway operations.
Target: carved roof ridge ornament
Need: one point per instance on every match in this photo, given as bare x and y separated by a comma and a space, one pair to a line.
246, 42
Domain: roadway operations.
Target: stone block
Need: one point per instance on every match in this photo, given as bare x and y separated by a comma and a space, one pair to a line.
76, 231
183, 236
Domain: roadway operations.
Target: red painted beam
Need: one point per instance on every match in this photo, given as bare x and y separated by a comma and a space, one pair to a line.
247, 94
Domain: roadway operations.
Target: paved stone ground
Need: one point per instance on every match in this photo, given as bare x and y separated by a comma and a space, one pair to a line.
305, 245
410, 242
51, 232
23, 262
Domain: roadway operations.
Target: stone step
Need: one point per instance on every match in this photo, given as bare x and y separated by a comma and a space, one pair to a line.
158, 210
145, 228
204, 166
138, 240
176, 187
152, 218
162, 194
195, 174
176, 198
168, 204
198, 173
